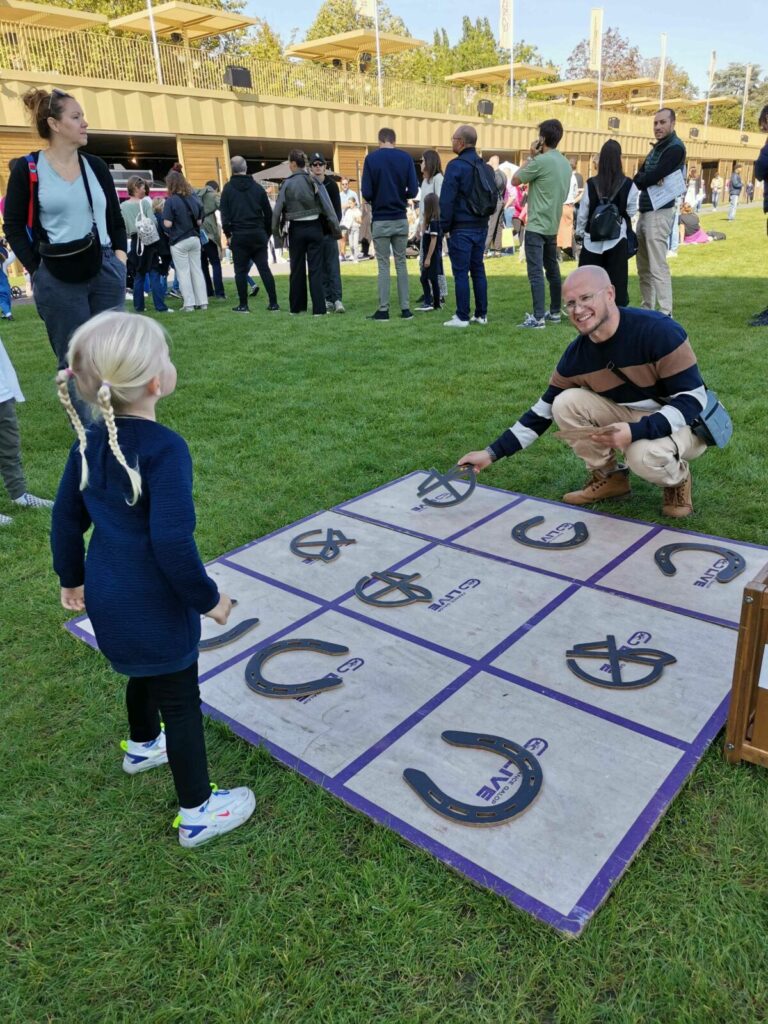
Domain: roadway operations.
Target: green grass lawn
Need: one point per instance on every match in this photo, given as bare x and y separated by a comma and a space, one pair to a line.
312, 913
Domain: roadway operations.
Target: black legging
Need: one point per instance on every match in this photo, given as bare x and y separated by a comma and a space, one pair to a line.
175, 697
615, 263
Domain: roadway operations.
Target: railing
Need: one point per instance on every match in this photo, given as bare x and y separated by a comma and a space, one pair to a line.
127, 58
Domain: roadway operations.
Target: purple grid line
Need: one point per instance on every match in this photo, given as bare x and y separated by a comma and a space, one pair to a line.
627, 553
690, 613
267, 536
272, 581
650, 816
387, 526
76, 630
481, 522
528, 625
590, 709
383, 487
403, 727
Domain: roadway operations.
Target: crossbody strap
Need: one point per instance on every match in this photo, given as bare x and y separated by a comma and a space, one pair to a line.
643, 391
87, 186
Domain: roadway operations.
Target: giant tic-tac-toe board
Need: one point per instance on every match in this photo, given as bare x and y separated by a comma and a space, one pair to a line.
488, 654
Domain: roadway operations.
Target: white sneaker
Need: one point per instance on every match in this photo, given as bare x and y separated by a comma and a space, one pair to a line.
338, 306
223, 811
478, 319
456, 322
672, 254
5, 520
28, 500
531, 321
140, 757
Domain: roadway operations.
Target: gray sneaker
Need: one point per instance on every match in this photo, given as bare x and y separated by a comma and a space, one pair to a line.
531, 321
338, 307
553, 318
28, 500
5, 520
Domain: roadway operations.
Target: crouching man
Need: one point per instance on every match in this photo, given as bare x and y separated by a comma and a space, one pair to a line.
632, 376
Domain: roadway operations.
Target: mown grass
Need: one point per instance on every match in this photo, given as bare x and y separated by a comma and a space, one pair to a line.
312, 913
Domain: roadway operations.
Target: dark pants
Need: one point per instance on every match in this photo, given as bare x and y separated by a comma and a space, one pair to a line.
430, 285
146, 271
331, 269
65, 307
615, 263
305, 244
176, 699
541, 259
466, 247
10, 450
247, 247
210, 261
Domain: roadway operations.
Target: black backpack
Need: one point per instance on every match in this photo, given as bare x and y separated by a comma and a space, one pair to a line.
483, 194
605, 218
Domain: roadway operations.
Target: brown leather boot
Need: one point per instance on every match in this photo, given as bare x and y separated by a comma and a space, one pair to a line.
602, 484
677, 501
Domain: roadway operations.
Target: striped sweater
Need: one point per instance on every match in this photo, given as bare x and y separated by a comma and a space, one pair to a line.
652, 350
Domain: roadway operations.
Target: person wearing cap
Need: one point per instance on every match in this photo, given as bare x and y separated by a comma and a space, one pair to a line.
331, 269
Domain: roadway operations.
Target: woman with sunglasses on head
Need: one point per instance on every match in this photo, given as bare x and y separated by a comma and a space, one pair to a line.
63, 220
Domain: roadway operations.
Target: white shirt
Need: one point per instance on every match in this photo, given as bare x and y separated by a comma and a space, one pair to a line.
9, 382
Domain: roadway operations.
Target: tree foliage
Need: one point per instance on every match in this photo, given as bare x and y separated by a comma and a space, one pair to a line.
620, 58
677, 81
118, 8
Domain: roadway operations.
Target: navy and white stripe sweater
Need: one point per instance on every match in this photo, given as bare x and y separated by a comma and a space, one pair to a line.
652, 350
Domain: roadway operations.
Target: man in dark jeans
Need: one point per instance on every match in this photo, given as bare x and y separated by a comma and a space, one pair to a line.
548, 176
466, 231
300, 205
246, 217
331, 268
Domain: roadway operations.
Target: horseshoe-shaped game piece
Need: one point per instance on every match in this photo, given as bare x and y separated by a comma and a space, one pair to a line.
329, 549
403, 582
520, 534
736, 564
259, 684
435, 479
607, 651
471, 814
214, 642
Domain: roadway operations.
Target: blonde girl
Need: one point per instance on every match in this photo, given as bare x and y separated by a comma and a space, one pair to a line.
142, 581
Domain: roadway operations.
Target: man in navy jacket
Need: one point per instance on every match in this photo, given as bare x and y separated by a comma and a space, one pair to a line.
466, 232
389, 181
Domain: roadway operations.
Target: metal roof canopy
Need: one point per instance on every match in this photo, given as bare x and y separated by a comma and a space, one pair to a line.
191, 21
48, 17
682, 101
590, 85
347, 46
499, 74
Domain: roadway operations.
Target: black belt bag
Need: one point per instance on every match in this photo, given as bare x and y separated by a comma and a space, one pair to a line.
79, 260
713, 425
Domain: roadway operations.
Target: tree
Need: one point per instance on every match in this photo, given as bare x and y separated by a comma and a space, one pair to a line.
261, 43
117, 8
620, 58
677, 82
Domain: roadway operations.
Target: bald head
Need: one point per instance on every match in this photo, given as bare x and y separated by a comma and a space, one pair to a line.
587, 278
590, 301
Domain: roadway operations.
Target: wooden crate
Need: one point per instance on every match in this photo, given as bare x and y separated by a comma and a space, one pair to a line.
746, 735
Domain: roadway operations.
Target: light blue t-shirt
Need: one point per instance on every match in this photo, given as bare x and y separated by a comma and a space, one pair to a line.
64, 210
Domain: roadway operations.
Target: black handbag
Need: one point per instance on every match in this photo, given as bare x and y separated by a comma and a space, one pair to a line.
79, 260
713, 425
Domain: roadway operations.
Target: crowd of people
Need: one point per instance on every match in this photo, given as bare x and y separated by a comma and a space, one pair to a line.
628, 387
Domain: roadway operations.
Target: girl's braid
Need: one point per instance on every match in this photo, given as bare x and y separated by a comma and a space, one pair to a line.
104, 399
62, 386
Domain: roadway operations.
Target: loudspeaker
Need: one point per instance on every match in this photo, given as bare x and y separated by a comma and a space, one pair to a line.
694, 133
744, 139
238, 78
614, 123
485, 108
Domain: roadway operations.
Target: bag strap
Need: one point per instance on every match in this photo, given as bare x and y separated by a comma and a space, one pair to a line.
191, 212
643, 391
31, 159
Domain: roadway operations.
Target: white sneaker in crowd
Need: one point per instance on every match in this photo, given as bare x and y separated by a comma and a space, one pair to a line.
5, 520
478, 319
456, 322
28, 500
223, 811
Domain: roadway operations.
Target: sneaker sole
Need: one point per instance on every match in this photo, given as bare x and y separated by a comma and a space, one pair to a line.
244, 812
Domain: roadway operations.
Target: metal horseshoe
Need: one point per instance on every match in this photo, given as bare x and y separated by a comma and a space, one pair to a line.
520, 534
214, 642
471, 814
736, 564
259, 684
436, 479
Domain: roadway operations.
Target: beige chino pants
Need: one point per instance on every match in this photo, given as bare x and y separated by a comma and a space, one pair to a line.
663, 461
653, 230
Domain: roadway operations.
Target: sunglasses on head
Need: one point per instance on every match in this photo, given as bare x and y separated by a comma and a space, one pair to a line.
54, 92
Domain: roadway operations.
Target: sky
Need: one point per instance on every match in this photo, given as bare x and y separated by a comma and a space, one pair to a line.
556, 26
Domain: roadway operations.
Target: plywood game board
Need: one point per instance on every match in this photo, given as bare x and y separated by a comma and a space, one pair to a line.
486, 654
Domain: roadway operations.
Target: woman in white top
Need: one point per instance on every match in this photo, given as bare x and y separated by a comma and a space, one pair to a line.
431, 184
609, 184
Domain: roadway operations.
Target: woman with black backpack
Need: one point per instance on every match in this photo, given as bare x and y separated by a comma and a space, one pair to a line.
603, 226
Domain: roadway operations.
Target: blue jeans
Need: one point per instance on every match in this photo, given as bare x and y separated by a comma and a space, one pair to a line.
466, 247
155, 287
733, 202
541, 259
5, 294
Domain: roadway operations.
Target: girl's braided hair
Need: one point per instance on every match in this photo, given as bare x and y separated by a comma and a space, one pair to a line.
112, 359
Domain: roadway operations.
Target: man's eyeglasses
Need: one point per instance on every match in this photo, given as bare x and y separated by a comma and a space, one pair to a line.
582, 301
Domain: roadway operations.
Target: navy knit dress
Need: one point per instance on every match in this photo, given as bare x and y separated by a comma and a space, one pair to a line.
145, 585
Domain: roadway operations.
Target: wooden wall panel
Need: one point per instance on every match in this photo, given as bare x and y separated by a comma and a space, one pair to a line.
204, 160
348, 161
14, 144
